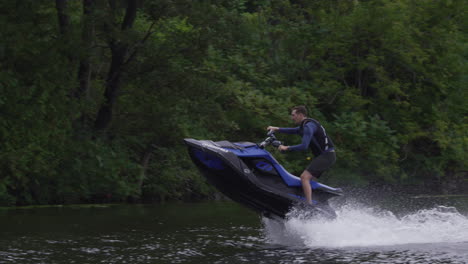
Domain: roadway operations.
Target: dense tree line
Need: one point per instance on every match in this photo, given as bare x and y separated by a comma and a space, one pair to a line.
96, 96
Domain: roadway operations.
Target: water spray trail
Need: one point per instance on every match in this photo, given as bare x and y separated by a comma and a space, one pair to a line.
358, 226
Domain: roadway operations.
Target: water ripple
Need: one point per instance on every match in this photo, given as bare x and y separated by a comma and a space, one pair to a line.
359, 235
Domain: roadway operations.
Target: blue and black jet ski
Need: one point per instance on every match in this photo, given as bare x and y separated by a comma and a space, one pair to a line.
248, 174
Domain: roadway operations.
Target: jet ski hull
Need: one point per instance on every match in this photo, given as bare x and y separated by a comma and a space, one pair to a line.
252, 177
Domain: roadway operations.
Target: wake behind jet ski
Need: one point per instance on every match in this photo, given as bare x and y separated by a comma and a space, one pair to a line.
250, 175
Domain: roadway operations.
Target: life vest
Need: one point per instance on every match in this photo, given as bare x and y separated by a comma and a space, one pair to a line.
320, 142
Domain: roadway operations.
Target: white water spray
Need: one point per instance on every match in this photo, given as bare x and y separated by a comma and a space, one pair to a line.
357, 226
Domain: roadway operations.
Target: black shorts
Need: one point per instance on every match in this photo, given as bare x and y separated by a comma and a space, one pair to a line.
321, 163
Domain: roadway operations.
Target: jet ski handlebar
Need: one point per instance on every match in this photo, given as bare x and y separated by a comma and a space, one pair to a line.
270, 140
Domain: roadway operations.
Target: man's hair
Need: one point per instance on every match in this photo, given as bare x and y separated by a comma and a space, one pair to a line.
300, 109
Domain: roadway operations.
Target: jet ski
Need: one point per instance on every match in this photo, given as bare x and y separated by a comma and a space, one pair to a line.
248, 174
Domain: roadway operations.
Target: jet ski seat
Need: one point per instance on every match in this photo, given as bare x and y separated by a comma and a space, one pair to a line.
294, 181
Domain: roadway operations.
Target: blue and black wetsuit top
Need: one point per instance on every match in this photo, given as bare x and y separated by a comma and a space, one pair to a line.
313, 136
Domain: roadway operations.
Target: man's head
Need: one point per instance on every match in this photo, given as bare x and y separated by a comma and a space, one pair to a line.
298, 114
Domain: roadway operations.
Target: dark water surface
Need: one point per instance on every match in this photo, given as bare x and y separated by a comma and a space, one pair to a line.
224, 232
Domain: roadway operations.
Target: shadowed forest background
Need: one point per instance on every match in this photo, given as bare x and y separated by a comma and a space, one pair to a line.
96, 96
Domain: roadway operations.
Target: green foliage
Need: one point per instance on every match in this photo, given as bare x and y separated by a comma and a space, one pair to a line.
368, 145
175, 177
6, 198
97, 171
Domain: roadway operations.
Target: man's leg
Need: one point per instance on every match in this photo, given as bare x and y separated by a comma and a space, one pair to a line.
306, 176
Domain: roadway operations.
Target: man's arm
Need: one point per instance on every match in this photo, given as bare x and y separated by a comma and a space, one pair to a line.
286, 130
289, 130
309, 130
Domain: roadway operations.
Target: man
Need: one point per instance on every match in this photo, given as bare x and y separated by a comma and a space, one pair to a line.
314, 137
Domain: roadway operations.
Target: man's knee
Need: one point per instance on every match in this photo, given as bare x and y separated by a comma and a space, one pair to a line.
306, 176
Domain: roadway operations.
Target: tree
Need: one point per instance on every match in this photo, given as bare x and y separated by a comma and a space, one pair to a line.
119, 51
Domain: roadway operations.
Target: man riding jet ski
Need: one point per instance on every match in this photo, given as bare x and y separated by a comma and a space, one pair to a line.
315, 138
250, 175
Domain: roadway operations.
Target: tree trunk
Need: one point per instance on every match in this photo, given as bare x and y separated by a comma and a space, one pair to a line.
119, 50
84, 71
63, 19
144, 167
112, 86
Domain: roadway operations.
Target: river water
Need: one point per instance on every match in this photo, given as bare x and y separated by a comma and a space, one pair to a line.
430, 230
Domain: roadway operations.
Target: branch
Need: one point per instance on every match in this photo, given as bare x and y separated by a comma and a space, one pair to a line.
140, 43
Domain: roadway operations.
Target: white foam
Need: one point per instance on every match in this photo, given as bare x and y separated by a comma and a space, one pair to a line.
358, 226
